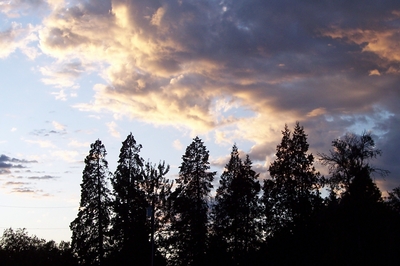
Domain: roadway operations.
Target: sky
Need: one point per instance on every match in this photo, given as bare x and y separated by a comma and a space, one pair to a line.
72, 72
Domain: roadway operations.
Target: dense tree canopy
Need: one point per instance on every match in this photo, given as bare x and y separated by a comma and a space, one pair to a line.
236, 213
90, 228
129, 229
292, 193
190, 204
284, 222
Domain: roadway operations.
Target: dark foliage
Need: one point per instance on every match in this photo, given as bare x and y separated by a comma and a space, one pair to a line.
189, 209
350, 156
291, 195
129, 231
354, 225
236, 215
18, 248
158, 190
90, 228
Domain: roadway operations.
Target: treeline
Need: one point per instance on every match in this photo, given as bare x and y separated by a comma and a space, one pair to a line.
137, 216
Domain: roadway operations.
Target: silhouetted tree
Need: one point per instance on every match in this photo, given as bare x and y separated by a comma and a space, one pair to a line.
158, 190
358, 228
393, 200
292, 193
90, 228
350, 157
18, 248
189, 210
236, 213
129, 229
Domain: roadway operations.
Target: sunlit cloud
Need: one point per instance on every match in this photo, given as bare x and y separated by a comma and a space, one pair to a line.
177, 145
66, 155
78, 144
58, 126
18, 37
112, 128
235, 72
41, 143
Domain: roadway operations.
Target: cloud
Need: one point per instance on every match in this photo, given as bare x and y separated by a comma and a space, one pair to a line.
12, 183
45, 177
177, 144
239, 69
75, 143
66, 155
58, 126
18, 37
112, 128
7, 162
17, 8
41, 143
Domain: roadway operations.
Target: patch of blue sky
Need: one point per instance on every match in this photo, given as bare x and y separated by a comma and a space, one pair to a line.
368, 122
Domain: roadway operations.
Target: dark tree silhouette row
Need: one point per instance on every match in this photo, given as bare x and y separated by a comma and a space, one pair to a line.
285, 220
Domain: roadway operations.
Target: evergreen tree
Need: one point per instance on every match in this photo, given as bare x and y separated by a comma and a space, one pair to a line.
158, 190
291, 194
236, 223
189, 209
90, 228
129, 226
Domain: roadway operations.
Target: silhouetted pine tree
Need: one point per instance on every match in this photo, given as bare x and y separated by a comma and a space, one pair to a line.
292, 193
236, 213
130, 232
189, 209
90, 228
158, 190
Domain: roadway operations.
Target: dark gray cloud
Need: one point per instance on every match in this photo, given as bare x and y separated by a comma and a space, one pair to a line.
46, 132
332, 65
44, 177
7, 163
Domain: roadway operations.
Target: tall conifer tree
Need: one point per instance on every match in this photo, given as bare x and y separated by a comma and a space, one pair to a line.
189, 212
292, 192
236, 211
129, 229
89, 229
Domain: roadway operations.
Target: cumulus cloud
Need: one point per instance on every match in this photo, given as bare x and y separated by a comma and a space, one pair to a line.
203, 64
173, 60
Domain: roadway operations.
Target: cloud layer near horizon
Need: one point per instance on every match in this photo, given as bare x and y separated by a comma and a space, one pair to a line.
238, 68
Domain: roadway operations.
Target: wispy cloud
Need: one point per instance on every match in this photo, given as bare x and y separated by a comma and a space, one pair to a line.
7, 162
41, 143
112, 128
76, 143
66, 155
58, 126
177, 145
44, 177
